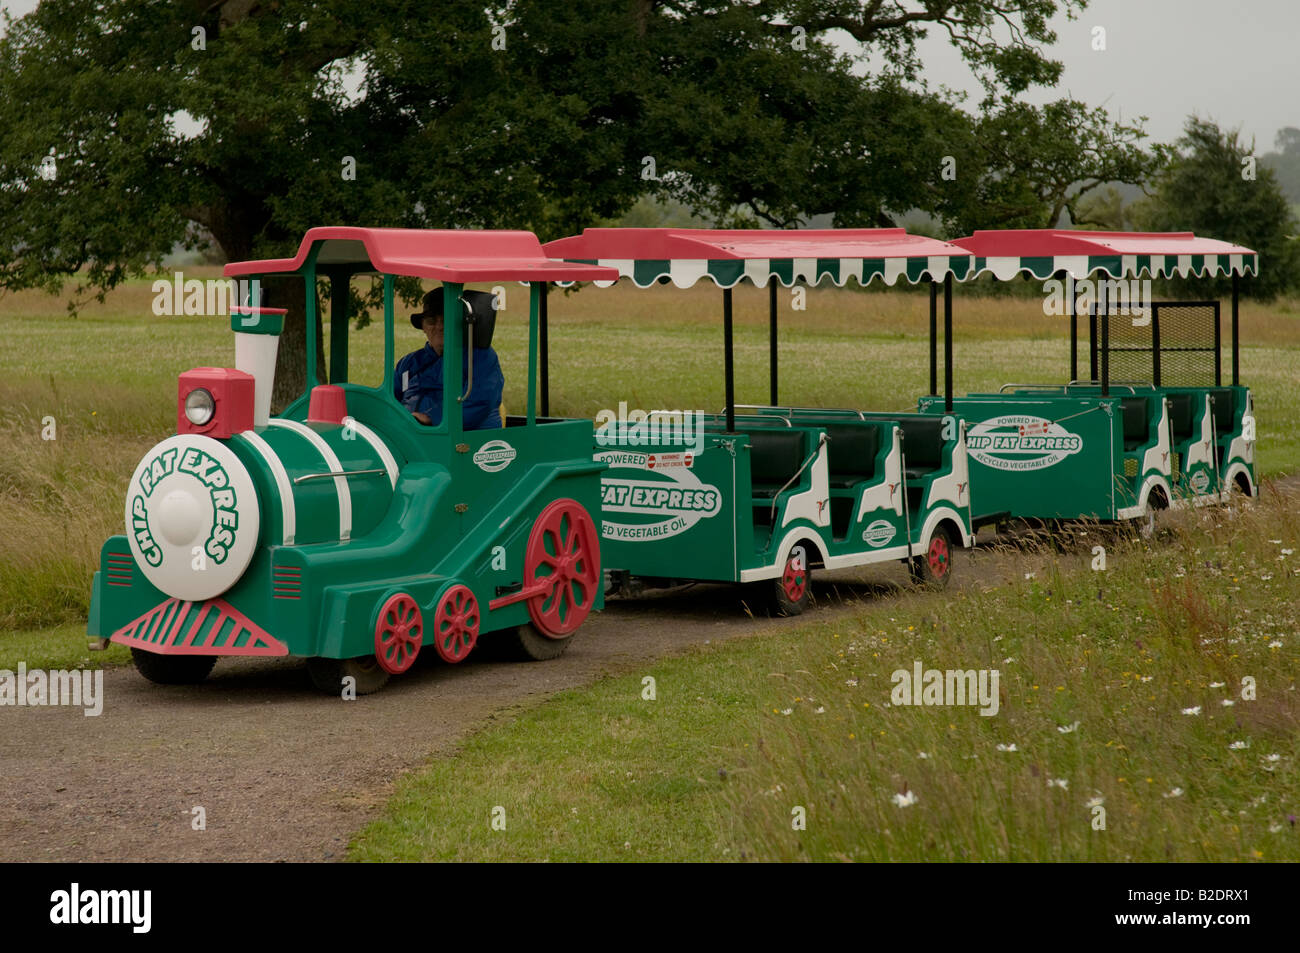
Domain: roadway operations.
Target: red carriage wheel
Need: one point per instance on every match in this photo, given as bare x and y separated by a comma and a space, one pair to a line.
939, 556
455, 625
563, 559
398, 633
789, 591
794, 580
933, 568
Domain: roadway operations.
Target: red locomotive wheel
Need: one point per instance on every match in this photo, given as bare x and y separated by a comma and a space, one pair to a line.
563, 557
455, 625
398, 634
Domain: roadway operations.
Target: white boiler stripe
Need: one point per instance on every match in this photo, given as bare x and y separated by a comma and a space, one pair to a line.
288, 514
332, 461
381, 448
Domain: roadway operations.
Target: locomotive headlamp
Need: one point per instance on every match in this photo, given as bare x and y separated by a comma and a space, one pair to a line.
199, 406
214, 401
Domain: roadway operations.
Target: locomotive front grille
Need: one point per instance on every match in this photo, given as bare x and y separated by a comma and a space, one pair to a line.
286, 582
119, 569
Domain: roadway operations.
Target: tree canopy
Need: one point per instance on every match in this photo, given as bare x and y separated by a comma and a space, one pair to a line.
1211, 184
251, 121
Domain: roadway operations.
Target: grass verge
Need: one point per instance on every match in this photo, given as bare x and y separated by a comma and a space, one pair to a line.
1156, 698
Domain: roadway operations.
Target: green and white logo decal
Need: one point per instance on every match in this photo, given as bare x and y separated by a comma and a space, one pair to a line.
877, 534
662, 501
494, 455
192, 517
1017, 442
1200, 481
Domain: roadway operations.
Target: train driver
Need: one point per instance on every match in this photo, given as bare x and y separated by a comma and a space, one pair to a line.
417, 382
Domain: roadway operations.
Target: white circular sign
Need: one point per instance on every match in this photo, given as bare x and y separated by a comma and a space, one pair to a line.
494, 455
192, 517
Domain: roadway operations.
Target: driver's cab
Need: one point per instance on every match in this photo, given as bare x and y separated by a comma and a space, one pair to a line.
451, 259
417, 383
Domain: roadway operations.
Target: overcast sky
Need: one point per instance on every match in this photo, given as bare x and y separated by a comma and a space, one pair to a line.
1237, 63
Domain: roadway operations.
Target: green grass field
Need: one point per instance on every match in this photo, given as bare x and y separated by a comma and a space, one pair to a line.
1119, 690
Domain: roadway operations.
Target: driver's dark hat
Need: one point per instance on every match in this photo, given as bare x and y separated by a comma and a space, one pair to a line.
432, 309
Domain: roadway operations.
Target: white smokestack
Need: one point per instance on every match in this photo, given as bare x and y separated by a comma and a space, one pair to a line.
257, 339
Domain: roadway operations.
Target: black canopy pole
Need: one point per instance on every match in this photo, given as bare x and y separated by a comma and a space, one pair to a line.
1235, 380
947, 342
1074, 325
340, 279
934, 337
1218, 346
543, 346
728, 367
771, 322
1155, 346
1092, 341
1105, 343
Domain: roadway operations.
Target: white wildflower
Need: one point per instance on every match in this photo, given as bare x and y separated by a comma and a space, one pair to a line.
905, 800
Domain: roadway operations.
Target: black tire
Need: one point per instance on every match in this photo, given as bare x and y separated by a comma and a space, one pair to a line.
933, 568
327, 674
525, 643
1148, 524
790, 592
172, 669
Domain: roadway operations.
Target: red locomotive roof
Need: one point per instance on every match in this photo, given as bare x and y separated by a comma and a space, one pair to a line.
718, 243
455, 255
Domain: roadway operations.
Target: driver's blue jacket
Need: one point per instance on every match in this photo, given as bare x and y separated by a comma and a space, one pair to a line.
417, 385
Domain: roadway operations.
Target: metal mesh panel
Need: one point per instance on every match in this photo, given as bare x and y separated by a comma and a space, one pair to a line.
1176, 344
1130, 348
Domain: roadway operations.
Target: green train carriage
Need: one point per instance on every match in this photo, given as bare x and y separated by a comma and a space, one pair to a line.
788, 489
1168, 433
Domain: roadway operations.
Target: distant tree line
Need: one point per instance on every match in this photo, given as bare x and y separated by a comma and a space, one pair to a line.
540, 115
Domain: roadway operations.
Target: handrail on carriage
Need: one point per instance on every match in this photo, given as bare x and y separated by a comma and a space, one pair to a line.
1130, 385
791, 410
1005, 387
822, 440
744, 417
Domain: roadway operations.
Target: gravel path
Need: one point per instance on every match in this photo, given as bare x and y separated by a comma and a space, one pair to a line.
284, 773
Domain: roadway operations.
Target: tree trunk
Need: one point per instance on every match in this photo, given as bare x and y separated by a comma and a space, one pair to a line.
291, 359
